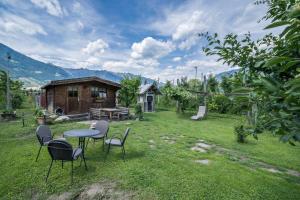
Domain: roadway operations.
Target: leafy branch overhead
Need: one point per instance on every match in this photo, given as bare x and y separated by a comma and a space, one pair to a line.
270, 66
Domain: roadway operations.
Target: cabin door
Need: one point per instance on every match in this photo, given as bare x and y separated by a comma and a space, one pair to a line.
150, 103
73, 99
49, 101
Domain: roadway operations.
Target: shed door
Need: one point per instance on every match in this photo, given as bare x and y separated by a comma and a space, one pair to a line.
50, 100
150, 103
73, 99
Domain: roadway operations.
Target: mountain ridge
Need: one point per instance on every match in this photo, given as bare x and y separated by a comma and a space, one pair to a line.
35, 73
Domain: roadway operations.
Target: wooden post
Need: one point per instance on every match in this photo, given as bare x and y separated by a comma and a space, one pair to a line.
23, 119
205, 90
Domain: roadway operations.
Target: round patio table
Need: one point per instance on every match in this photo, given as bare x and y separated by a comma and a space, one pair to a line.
81, 134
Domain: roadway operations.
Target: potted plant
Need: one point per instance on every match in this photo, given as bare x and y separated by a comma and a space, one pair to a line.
99, 100
40, 116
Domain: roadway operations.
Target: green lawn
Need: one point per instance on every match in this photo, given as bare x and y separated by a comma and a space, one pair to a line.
155, 168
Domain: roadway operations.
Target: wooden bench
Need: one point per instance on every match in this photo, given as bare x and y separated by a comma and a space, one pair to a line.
96, 113
124, 113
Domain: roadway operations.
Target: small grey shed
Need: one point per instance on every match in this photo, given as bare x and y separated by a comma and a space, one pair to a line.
146, 96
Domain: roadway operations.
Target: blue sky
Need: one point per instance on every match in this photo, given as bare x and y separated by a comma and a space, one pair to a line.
154, 38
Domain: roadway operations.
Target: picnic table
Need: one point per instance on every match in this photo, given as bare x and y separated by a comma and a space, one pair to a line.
110, 111
81, 134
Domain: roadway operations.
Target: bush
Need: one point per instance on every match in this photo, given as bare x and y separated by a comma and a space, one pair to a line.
240, 105
220, 103
138, 111
240, 133
17, 101
39, 113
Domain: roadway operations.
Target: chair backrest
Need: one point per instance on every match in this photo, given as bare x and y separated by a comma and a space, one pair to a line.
201, 111
102, 126
60, 150
43, 134
125, 135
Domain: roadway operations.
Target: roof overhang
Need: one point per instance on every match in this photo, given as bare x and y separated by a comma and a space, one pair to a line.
147, 87
80, 80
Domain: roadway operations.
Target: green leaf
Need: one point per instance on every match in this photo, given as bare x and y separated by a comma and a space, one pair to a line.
290, 64
295, 12
277, 24
276, 60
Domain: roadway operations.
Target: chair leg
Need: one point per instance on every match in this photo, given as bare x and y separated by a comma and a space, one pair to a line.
87, 142
108, 148
80, 161
83, 158
103, 146
123, 150
72, 171
38, 154
49, 170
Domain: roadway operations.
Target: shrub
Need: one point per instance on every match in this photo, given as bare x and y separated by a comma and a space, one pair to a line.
220, 103
17, 101
138, 111
240, 105
39, 113
240, 133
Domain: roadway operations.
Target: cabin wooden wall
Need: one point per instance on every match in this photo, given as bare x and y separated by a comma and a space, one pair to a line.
85, 101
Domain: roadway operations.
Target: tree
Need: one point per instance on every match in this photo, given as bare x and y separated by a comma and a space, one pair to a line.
129, 90
16, 91
270, 68
212, 84
195, 85
166, 99
226, 85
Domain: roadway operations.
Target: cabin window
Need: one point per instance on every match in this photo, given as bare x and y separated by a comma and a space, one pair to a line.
73, 91
98, 92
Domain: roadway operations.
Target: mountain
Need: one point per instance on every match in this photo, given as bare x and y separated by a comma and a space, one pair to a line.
35, 73
227, 74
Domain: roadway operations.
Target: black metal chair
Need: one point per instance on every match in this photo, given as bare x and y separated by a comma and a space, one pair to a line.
119, 142
63, 151
103, 127
44, 136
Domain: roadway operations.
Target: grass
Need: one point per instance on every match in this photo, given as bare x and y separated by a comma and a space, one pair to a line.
163, 171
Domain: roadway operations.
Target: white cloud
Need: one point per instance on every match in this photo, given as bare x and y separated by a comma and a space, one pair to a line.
248, 20
151, 48
177, 59
10, 23
76, 7
190, 27
206, 66
131, 65
95, 48
53, 7
183, 24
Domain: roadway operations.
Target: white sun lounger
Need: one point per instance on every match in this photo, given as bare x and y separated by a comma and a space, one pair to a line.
201, 113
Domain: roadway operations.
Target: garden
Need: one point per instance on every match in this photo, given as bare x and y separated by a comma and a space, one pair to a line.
168, 156
246, 146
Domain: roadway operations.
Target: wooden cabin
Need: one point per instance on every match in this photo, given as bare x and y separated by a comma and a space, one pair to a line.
146, 96
78, 95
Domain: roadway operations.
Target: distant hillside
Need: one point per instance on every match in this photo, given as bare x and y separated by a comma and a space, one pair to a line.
227, 73
35, 73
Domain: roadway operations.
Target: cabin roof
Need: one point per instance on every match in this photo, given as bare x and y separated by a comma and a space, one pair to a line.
144, 88
80, 80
